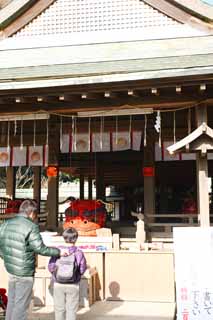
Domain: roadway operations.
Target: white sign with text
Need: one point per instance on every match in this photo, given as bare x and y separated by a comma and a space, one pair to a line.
193, 248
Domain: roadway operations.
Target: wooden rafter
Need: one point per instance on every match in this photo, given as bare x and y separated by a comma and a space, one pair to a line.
17, 19
181, 14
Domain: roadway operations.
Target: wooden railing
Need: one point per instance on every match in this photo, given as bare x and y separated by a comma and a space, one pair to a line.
157, 221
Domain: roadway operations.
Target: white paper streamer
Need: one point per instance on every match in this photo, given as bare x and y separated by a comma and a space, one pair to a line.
101, 133
130, 129
116, 130
61, 133
89, 135
21, 137
47, 133
174, 126
145, 129
15, 128
8, 135
34, 132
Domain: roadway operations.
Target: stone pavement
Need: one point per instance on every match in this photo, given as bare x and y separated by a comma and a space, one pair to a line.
119, 310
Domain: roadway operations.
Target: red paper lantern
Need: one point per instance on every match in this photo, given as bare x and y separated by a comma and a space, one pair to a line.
52, 171
148, 171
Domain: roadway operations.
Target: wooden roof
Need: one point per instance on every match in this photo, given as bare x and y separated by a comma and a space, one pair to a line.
16, 15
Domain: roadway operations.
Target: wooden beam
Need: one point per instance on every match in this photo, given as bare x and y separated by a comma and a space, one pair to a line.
202, 174
10, 183
37, 185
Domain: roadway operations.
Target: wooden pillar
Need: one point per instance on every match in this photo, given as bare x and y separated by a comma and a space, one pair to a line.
11, 182
89, 187
149, 181
100, 186
37, 185
202, 175
53, 155
81, 186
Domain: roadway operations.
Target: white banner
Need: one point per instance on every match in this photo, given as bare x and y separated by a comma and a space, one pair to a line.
81, 142
136, 140
101, 142
35, 156
19, 156
4, 157
65, 143
121, 141
193, 248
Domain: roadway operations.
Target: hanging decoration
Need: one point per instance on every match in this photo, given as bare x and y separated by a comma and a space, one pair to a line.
15, 128
21, 136
116, 130
73, 134
145, 131
89, 135
130, 130
101, 133
34, 132
61, 133
8, 135
174, 127
189, 121
35, 156
52, 171
158, 126
47, 133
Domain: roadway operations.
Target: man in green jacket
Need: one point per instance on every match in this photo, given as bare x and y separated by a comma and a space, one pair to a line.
20, 241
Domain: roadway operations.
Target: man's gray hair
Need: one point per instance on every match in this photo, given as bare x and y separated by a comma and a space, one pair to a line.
27, 207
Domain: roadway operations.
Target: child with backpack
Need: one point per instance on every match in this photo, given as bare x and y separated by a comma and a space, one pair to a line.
66, 274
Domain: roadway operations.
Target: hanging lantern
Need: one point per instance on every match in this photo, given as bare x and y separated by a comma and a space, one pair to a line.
148, 171
52, 171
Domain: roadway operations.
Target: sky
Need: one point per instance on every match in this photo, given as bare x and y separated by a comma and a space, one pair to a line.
208, 1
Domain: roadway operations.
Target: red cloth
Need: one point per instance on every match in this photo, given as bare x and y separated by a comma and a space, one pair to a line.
3, 298
90, 210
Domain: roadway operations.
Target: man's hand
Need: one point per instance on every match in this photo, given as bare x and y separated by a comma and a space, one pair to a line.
64, 252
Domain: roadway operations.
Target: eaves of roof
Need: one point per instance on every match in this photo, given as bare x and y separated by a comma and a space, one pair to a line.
102, 63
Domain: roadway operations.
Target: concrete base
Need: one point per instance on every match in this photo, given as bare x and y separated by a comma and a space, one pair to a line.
119, 310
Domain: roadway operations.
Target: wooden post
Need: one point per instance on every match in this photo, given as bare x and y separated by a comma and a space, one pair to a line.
89, 187
81, 186
37, 185
149, 181
52, 203
53, 155
100, 187
11, 182
202, 175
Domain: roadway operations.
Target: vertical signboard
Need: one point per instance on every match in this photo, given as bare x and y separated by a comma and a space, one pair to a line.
193, 248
